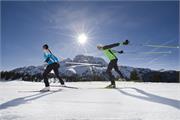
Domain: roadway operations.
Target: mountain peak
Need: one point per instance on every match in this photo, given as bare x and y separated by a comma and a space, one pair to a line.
89, 59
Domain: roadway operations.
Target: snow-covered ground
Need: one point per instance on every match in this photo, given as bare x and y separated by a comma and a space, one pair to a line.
131, 101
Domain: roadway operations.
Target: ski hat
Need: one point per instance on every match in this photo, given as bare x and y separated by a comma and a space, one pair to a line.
45, 46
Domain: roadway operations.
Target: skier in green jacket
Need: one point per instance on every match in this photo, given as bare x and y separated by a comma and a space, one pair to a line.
111, 54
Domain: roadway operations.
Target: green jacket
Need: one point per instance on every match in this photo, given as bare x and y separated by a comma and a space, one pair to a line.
110, 54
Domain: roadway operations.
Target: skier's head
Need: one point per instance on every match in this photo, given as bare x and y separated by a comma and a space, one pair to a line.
99, 47
45, 47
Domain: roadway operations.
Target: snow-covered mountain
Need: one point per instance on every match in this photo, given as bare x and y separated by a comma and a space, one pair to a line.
67, 69
90, 59
86, 70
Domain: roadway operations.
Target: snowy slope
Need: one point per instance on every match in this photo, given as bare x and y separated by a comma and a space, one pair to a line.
131, 101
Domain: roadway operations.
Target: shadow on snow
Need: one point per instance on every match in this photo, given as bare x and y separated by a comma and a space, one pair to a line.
23, 100
151, 97
148, 97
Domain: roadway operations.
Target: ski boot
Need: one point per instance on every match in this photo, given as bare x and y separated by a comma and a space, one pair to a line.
62, 84
46, 89
111, 86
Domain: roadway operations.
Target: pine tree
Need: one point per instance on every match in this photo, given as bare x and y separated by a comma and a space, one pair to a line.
134, 76
157, 77
2, 74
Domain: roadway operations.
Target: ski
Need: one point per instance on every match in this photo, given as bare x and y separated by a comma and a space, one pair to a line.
102, 88
41, 91
64, 86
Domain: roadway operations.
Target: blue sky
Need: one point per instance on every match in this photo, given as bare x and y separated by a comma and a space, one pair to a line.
26, 26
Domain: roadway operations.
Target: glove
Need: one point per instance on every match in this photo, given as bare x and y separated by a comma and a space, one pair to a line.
126, 42
121, 52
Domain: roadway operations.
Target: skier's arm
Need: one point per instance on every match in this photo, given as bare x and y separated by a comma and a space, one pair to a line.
120, 52
110, 46
47, 57
126, 42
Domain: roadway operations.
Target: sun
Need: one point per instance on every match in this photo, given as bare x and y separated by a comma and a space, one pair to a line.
82, 38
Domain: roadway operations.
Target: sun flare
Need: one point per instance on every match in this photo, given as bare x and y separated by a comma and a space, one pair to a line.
82, 38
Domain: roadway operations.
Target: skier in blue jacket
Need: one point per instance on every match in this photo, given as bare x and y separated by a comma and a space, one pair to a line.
53, 64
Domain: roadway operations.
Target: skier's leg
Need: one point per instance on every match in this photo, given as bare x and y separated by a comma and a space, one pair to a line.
117, 69
108, 71
56, 71
47, 70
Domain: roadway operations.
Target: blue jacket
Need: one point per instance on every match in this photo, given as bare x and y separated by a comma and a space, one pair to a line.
50, 58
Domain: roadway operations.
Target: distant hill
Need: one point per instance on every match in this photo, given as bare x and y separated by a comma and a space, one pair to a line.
86, 72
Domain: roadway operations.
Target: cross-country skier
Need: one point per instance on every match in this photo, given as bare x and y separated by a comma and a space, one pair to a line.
111, 54
53, 64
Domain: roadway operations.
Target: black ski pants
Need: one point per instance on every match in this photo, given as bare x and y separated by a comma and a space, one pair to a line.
111, 65
48, 69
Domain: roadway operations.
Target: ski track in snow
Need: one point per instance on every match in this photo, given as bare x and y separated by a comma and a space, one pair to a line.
130, 101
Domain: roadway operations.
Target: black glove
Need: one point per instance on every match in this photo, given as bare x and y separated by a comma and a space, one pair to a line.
126, 42
121, 52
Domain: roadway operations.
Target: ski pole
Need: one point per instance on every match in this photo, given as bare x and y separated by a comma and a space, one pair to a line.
167, 52
159, 52
161, 46
157, 46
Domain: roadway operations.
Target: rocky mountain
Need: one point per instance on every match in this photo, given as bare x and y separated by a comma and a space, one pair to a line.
84, 68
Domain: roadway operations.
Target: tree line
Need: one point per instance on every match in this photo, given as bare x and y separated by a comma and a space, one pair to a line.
154, 76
